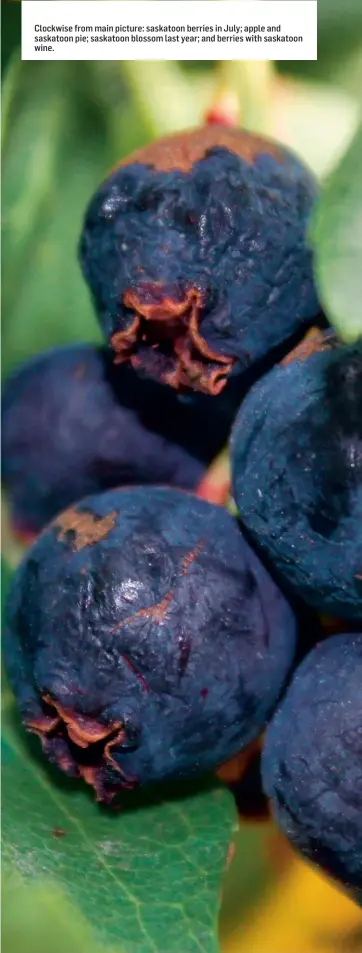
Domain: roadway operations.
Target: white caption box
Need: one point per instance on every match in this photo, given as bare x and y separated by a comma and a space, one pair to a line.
177, 30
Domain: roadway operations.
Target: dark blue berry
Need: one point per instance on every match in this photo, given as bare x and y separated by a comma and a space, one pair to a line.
72, 424
297, 474
144, 639
312, 759
196, 255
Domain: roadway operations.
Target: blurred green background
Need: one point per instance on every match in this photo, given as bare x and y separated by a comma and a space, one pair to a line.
64, 125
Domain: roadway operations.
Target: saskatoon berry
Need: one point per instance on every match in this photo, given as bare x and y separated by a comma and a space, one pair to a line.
196, 255
297, 473
144, 639
312, 759
72, 424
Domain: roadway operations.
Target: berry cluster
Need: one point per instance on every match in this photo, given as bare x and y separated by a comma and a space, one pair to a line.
150, 634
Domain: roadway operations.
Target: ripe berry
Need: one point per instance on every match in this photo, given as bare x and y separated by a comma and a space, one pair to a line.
297, 474
196, 255
144, 639
72, 424
312, 759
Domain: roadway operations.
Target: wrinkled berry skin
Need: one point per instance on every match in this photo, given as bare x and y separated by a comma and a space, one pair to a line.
312, 759
144, 639
72, 425
196, 255
296, 451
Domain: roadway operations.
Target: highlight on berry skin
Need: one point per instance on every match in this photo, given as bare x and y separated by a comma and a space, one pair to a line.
195, 250
144, 639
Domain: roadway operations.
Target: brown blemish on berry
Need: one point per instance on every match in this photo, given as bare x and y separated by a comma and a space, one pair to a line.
158, 612
159, 318
84, 526
315, 340
190, 558
182, 150
58, 832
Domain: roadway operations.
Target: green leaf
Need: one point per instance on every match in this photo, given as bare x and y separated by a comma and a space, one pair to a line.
10, 33
59, 143
5, 580
339, 27
48, 920
339, 37
336, 234
12, 548
246, 880
143, 880
44, 192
